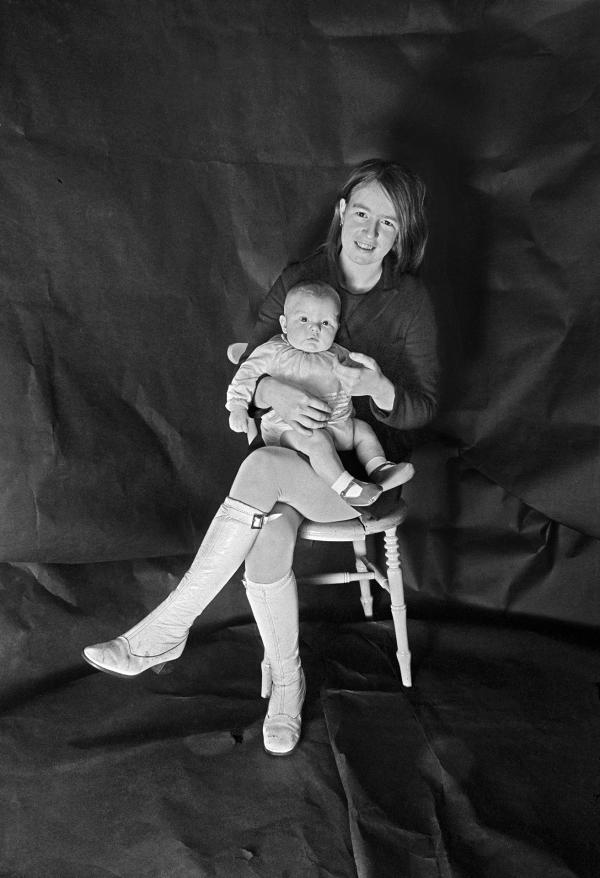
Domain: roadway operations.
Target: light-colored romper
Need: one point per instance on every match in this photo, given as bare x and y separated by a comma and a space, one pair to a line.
312, 372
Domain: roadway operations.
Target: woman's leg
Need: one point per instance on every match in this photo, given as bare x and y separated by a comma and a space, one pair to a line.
161, 636
267, 476
320, 449
279, 475
271, 556
273, 596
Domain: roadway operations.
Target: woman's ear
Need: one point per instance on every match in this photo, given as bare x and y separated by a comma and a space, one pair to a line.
342, 208
283, 323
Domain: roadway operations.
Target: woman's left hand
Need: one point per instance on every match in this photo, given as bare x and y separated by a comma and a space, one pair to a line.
366, 380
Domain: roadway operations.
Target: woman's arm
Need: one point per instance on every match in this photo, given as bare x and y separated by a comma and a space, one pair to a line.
416, 376
403, 385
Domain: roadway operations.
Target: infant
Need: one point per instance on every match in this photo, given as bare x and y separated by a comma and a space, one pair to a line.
307, 356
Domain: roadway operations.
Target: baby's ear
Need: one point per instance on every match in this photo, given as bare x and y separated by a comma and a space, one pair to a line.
283, 323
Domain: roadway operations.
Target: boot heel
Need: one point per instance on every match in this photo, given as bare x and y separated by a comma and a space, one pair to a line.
267, 679
163, 669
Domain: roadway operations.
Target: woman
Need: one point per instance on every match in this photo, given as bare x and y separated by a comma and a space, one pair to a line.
374, 247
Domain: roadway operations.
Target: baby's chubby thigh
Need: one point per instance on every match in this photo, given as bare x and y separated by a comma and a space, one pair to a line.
342, 433
338, 435
313, 443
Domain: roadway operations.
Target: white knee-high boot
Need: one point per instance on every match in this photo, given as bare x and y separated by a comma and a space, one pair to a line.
275, 609
161, 636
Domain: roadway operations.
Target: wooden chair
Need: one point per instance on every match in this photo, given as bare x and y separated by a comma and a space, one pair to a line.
356, 531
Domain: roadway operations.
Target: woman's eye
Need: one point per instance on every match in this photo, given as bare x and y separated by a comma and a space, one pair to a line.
389, 223
361, 214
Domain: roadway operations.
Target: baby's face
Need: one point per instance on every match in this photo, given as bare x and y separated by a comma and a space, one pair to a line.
310, 323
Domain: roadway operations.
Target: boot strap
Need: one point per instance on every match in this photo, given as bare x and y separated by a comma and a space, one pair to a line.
254, 518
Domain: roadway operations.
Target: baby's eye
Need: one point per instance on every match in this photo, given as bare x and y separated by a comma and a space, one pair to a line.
303, 320
326, 323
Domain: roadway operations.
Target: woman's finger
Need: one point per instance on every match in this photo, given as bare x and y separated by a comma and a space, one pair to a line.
300, 428
311, 419
344, 373
348, 376
316, 404
317, 414
364, 360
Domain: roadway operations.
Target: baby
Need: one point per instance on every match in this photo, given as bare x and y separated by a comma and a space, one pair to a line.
306, 355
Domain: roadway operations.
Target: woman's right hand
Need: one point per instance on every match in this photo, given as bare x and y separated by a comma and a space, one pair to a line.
301, 410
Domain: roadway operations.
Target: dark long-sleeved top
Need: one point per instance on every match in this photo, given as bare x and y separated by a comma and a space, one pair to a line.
393, 323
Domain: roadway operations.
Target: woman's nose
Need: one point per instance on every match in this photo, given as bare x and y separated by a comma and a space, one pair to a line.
372, 230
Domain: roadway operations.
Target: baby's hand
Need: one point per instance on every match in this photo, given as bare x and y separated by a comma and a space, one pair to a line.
238, 420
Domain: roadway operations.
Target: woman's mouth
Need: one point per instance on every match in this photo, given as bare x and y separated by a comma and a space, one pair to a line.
367, 247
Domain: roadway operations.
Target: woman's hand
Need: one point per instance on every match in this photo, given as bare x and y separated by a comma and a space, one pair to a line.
301, 410
367, 380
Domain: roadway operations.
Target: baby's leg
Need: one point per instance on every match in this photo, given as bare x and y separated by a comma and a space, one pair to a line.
367, 446
320, 449
372, 456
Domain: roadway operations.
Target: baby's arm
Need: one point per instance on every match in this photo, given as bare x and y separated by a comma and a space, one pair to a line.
239, 420
241, 390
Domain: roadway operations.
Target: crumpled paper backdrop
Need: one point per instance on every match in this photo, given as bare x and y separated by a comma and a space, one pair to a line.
160, 164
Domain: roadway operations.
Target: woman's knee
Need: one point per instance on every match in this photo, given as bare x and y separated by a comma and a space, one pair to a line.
256, 465
257, 481
272, 554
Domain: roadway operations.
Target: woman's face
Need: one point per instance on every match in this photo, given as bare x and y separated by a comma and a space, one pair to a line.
369, 224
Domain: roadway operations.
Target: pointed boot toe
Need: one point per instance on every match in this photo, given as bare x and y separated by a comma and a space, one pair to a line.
112, 657
115, 657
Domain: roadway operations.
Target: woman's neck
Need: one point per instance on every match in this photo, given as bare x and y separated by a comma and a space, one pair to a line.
359, 278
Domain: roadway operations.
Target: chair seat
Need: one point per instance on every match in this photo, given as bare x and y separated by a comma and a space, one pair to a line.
353, 529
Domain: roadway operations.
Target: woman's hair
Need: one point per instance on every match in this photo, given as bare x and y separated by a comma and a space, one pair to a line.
407, 193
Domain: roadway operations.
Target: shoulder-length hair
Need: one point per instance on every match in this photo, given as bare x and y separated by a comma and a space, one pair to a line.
407, 193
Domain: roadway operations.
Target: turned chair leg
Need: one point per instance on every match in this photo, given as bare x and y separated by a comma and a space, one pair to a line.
398, 604
366, 598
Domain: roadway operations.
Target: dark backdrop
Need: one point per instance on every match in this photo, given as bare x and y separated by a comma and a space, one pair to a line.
161, 162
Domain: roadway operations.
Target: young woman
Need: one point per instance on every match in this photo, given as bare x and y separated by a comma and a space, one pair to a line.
373, 250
